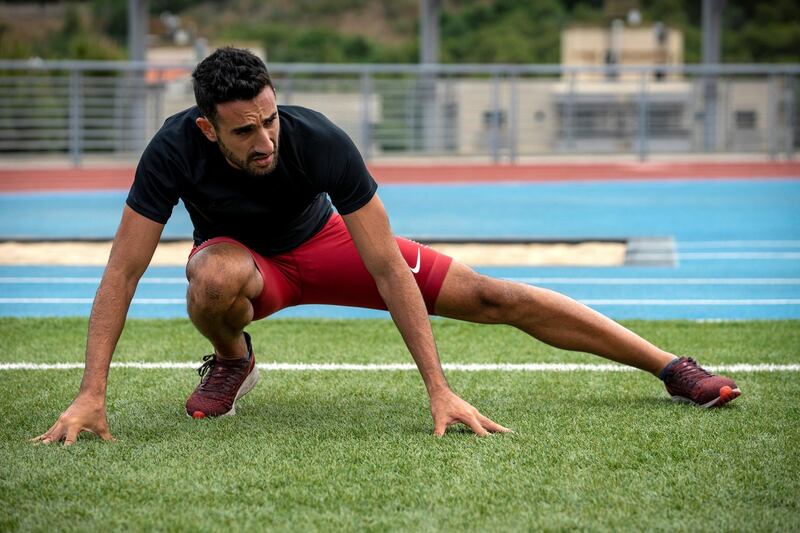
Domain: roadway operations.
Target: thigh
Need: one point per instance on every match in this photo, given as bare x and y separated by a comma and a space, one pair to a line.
332, 272
467, 295
460, 296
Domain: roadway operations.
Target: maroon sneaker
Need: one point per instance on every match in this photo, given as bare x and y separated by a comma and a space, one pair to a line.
222, 382
688, 382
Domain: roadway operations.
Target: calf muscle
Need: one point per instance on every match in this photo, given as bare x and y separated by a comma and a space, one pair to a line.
222, 282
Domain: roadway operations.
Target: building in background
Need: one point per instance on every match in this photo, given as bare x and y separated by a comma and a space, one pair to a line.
621, 45
595, 108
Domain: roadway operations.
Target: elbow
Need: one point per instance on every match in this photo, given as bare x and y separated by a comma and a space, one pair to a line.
125, 279
389, 270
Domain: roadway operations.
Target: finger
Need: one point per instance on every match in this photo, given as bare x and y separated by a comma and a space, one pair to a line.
50, 438
72, 436
476, 426
47, 433
54, 434
492, 426
439, 427
104, 433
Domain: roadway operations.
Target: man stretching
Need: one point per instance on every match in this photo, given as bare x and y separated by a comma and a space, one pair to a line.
256, 180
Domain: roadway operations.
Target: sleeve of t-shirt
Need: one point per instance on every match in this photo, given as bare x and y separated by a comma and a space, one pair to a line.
154, 191
347, 180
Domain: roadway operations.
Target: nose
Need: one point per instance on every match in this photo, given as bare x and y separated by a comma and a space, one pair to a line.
264, 142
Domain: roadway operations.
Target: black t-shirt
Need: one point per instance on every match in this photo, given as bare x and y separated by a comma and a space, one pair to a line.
271, 214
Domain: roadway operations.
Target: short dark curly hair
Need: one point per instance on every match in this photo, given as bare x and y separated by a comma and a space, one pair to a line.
226, 75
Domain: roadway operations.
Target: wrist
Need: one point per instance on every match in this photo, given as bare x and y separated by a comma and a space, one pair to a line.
93, 385
94, 396
436, 390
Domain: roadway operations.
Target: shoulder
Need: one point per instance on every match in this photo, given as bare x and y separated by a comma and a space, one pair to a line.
179, 132
302, 117
178, 142
306, 123
314, 137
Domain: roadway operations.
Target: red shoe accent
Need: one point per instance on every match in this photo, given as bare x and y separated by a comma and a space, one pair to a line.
688, 382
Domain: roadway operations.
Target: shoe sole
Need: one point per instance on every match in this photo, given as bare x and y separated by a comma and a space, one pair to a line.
247, 385
725, 396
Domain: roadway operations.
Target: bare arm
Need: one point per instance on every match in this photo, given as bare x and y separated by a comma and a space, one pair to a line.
372, 235
134, 245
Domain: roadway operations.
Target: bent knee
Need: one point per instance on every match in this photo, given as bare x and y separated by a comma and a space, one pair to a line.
219, 274
479, 298
496, 300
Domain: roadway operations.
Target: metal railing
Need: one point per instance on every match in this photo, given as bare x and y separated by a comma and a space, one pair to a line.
502, 112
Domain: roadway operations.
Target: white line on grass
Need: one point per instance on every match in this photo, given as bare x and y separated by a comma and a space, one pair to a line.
464, 367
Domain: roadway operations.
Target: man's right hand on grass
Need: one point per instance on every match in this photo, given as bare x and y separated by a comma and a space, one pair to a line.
85, 414
449, 409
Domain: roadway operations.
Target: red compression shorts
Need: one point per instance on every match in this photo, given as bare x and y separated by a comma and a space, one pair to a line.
327, 269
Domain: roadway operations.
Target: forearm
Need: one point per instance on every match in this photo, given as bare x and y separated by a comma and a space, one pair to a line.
105, 327
405, 304
372, 235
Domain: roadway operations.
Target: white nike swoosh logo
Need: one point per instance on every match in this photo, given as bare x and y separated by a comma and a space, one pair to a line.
415, 270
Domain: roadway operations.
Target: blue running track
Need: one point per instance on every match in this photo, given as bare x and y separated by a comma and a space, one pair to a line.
738, 245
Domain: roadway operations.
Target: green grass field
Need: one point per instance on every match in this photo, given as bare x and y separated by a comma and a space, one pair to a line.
343, 450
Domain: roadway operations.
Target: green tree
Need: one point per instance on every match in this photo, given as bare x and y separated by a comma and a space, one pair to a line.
77, 41
506, 31
14, 45
762, 32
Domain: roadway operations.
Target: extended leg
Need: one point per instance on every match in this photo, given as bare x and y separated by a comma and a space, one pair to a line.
546, 315
222, 281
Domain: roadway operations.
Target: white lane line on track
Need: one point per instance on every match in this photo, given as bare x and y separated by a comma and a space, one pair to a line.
655, 281
140, 301
533, 280
724, 256
463, 367
738, 255
619, 301
693, 302
16, 280
738, 244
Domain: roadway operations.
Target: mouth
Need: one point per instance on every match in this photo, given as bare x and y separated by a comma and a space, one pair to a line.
263, 160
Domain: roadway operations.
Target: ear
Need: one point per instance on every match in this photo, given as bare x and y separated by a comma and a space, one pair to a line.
207, 128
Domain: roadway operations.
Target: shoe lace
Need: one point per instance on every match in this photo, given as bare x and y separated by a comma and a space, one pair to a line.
689, 372
208, 364
216, 378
